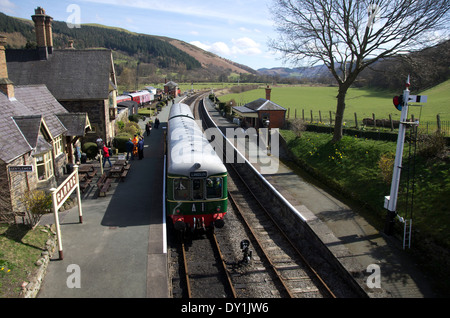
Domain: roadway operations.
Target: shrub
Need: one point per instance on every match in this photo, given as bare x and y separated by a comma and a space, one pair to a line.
131, 128
37, 203
120, 124
431, 146
134, 118
91, 150
120, 140
386, 164
298, 126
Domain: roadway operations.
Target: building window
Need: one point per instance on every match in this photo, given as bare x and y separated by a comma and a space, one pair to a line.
59, 146
44, 166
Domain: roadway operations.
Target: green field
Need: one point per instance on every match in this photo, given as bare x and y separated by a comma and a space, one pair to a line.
362, 101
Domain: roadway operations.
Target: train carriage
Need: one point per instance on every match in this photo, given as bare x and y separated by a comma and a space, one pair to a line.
196, 185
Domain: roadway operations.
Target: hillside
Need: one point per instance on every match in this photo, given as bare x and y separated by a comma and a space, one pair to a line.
157, 56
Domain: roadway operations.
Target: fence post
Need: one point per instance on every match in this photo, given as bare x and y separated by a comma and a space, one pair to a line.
296, 113
320, 116
303, 114
312, 118
374, 120
356, 121
391, 122
331, 119
438, 118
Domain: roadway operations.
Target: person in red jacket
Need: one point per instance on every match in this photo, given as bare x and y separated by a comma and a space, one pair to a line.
106, 156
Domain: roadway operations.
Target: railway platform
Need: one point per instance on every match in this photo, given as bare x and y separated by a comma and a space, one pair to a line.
119, 251
354, 242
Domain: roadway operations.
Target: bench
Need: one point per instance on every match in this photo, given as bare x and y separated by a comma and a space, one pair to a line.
127, 167
103, 184
105, 187
85, 184
124, 175
92, 173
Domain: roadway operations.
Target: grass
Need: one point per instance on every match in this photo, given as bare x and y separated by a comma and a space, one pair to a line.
20, 248
363, 101
352, 168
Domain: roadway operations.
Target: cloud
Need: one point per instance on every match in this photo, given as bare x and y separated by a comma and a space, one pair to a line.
194, 8
7, 6
241, 46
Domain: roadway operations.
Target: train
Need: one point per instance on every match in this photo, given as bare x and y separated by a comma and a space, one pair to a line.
141, 97
196, 178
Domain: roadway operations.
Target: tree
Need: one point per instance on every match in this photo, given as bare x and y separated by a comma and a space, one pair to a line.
349, 36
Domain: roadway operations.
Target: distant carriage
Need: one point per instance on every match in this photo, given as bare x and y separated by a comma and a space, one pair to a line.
196, 187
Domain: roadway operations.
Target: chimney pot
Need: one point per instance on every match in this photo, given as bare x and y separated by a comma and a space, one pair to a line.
268, 92
43, 28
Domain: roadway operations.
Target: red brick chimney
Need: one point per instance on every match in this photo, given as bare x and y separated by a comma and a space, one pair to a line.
268, 91
6, 86
49, 33
44, 35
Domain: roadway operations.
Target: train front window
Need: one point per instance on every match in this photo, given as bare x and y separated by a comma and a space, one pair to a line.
213, 188
197, 189
181, 189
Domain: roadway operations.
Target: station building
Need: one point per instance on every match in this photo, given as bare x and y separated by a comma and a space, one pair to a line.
262, 113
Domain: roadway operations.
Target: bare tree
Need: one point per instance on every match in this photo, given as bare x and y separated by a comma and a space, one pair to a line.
349, 36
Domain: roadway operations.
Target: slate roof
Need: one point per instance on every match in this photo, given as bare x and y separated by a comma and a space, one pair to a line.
21, 118
12, 142
29, 126
260, 104
171, 84
76, 123
263, 104
38, 100
68, 74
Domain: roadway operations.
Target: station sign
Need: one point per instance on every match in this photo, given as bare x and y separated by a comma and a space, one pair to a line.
24, 168
199, 174
66, 189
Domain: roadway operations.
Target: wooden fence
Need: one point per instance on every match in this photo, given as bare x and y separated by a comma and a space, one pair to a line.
327, 119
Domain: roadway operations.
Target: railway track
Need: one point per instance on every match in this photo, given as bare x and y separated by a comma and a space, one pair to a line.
275, 269
296, 276
204, 271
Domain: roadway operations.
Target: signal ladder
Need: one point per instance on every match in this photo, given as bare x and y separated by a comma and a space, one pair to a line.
410, 169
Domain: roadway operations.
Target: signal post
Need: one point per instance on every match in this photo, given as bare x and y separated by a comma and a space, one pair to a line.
390, 203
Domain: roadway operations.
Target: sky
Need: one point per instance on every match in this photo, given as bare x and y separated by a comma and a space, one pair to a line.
238, 30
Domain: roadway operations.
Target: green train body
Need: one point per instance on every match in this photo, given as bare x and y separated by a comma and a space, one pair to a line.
196, 182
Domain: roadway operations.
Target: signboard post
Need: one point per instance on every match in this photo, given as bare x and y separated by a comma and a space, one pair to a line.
59, 196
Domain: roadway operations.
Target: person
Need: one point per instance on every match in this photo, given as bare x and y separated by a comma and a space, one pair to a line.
129, 147
148, 128
99, 143
77, 152
156, 123
141, 148
135, 144
106, 156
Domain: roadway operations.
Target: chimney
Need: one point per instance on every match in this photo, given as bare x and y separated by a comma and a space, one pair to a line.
49, 33
6, 86
268, 91
42, 25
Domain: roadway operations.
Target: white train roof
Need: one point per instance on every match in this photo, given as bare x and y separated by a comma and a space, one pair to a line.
189, 153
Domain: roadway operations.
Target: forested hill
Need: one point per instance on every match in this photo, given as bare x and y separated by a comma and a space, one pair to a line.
147, 48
